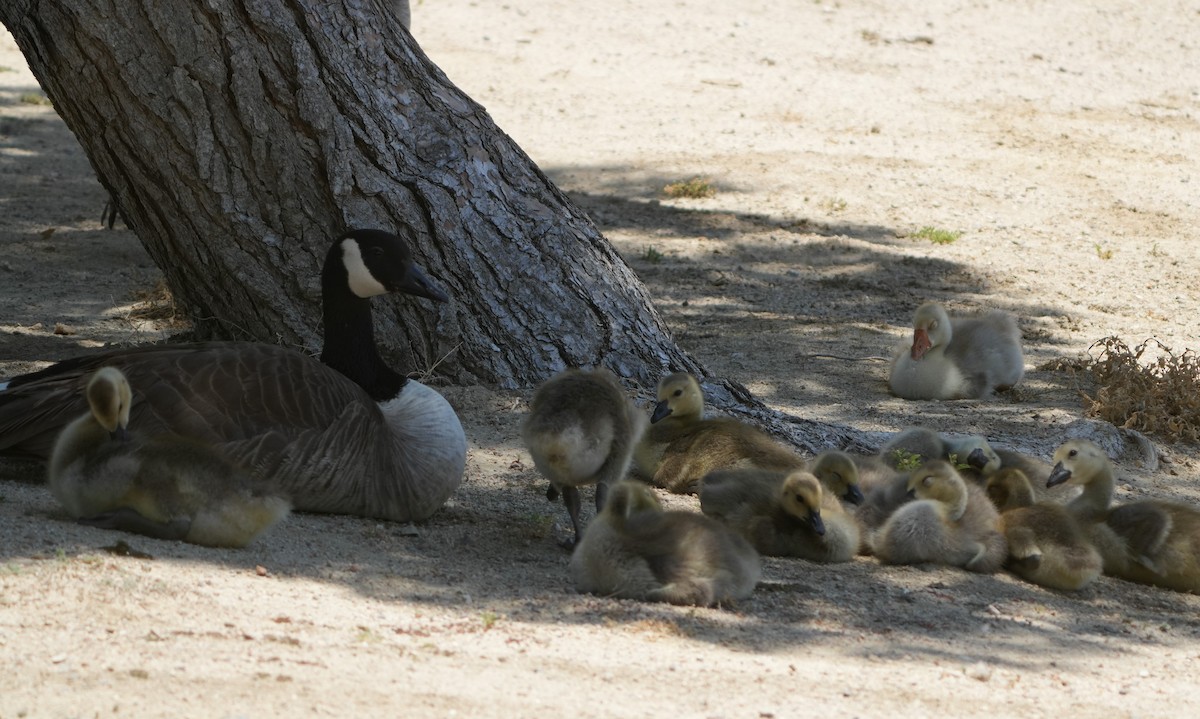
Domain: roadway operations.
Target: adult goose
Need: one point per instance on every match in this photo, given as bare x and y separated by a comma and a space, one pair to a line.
958, 358
345, 435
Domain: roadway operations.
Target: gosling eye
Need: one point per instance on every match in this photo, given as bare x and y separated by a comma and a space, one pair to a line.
927, 481
678, 393
1072, 453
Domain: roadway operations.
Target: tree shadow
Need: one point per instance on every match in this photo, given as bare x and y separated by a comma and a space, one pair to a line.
492, 555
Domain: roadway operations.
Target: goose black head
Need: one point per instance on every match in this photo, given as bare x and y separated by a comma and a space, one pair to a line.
378, 262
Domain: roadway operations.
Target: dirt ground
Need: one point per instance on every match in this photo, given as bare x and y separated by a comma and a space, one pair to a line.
1060, 140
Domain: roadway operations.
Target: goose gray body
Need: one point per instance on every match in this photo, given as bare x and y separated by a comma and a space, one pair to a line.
959, 357
344, 435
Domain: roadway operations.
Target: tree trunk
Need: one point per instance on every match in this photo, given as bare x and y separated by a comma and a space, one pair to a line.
239, 137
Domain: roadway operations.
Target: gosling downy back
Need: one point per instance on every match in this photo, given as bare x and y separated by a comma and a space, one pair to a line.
344, 435
166, 487
958, 358
581, 430
634, 550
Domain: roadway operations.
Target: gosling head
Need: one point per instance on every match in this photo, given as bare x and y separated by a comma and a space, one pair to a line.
628, 497
1009, 489
929, 323
939, 481
1077, 461
837, 471
800, 497
109, 397
976, 453
679, 397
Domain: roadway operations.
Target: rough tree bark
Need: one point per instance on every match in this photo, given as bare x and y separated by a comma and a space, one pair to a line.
239, 136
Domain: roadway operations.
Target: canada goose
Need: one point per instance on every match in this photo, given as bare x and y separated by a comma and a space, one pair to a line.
958, 358
167, 487
782, 514
681, 446
950, 522
1046, 546
635, 550
1147, 541
581, 429
344, 435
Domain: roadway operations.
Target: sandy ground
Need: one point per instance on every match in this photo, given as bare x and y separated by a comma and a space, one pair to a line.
1060, 139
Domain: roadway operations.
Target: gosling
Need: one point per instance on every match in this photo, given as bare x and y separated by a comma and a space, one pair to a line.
166, 487
1046, 546
783, 515
635, 550
950, 523
581, 430
1148, 541
681, 446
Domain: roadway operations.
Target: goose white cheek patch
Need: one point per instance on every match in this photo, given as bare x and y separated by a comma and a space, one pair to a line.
362, 282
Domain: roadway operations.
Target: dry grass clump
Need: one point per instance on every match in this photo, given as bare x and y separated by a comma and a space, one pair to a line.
1161, 397
696, 188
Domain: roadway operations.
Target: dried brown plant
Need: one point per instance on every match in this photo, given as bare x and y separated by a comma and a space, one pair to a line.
1161, 396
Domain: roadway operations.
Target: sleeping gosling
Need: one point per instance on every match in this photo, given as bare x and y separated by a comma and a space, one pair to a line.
635, 550
949, 522
788, 515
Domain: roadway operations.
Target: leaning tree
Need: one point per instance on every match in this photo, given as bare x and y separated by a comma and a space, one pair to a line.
239, 136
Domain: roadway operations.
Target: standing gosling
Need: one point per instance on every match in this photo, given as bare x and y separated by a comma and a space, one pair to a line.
1147, 541
1046, 546
635, 550
167, 487
783, 515
581, 429
681, 446
950, 522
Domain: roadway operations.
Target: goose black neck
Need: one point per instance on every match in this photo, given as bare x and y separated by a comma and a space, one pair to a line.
350, 336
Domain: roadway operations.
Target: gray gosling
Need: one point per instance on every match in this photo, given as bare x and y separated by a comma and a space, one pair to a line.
635, 550
782, 514
886, 475
950, 522
681, 446
581, 430
975, 458
958, 358
1147, 541
1046, 546
972, 451
166, 487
